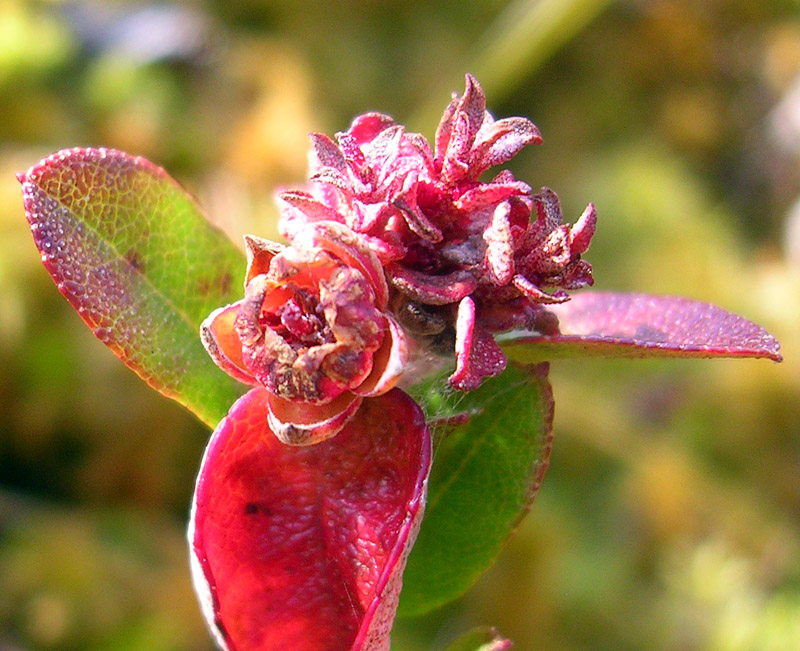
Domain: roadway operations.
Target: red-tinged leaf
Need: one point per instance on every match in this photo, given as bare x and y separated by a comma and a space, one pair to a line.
133, 254
486, 474
608, 324
303, 548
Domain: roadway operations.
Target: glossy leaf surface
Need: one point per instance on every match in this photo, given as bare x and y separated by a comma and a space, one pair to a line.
485, 476
609, 324
133, 254
303, 547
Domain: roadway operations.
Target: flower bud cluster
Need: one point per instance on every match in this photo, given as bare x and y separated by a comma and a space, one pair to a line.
395, 247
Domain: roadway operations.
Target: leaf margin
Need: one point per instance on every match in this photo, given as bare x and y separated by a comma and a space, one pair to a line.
216, 390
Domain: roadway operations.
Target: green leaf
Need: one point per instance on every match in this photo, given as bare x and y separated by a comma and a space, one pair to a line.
132, 253
483, 638
485, 475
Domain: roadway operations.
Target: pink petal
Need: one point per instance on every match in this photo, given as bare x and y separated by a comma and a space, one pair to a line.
388, 362
456, 160
406, 202
535, 294
461, 128
327, 153
309, 205
334, 178
219, 337
432, 290
501, 141
259, 254
490, 194
639, 325
369, 215
384, 147
350, 248
304, 548
548, 209
394, 173
356, 161
477, 354
387, 248
578, 275
582, 231
500, 246
366, 127
305, 423
445, 129
453, 142
473, 106
420, 144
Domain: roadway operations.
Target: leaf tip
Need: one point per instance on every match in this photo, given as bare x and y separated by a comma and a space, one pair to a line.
772, 348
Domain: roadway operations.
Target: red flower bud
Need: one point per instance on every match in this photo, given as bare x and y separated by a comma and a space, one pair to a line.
312, 329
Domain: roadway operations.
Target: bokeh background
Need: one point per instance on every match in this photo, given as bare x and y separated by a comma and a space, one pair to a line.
670, 516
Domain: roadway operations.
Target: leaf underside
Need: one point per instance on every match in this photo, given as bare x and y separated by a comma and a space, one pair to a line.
303, 547
133, 254
485, 476
608, 324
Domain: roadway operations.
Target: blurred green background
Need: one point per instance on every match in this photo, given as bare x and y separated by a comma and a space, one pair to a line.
670, 516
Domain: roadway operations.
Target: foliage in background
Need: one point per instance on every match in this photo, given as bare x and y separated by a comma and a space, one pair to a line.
666, 522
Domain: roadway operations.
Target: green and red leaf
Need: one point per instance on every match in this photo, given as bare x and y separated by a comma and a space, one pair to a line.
486, 474
608, 324
303, 547
134, 255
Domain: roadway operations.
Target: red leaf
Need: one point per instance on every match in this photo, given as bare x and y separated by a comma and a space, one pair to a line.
303, 548
639, 325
